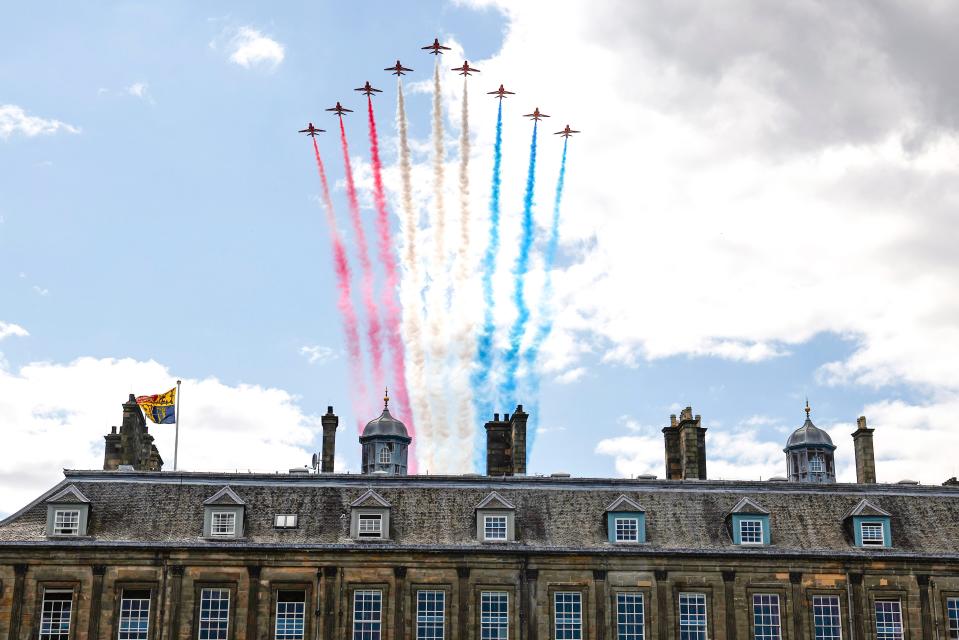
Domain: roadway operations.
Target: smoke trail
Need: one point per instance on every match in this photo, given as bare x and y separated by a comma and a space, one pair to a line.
385, 245
412, 304
344, 302
546, 308
482, 400
511, 357
466, 336
372, 313
437, 291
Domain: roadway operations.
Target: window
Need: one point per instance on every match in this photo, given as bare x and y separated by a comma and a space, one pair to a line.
370, 525
750, 531
888, 620
568, 615
430, 612
66, 522
386, 456
214, 619
285, 521
223, 523
134, 622
766, 617
627, 529
816, 465
494, 615
952, 615
290, 615
494, 527
55, 614
692, 616
367, 610
827, 623
630, 617
872, 534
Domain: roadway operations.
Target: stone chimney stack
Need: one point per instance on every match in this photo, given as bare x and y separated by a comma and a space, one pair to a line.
133, 444
865, 456
499, 449
685, 447
329, 421
518, 435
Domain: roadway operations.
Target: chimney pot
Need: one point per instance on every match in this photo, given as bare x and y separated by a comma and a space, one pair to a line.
495, 417
330, 421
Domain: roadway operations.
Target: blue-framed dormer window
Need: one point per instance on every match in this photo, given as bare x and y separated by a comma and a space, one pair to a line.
625, 521
871, 526
749, 524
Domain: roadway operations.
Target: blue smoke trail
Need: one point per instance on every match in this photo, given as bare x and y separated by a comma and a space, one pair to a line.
507, 395
546, 311
482, 401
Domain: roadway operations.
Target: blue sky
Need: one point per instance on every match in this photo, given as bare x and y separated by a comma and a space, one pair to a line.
726, 244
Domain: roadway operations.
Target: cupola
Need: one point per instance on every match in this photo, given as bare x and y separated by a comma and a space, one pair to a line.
385, 441
809, 454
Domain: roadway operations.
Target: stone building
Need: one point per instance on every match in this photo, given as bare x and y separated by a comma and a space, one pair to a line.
132, 553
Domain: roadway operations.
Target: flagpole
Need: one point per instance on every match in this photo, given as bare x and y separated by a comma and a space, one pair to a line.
176, 422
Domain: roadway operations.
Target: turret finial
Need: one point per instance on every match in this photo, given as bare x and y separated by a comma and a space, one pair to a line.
386, 398
807, 409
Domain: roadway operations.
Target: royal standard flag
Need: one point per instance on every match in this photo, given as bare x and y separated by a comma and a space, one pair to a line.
159, 408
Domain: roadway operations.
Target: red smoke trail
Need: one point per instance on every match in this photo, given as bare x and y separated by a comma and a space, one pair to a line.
392, 287
344, 302
372, 314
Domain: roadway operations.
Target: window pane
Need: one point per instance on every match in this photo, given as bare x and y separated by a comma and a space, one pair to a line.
223, 523
826, 618
750, 531
370, 525
766, 616
494, 615
134, 623
630, 616
290, 615
430, 612
871, 533
888, 620
952, 614
55, 615
66, 522
568, 615
627, 530
692, 616
367, 610
494, 527
214, 622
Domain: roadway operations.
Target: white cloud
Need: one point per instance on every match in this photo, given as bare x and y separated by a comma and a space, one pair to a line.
8, 329
55, 416
14, 119
317, 354
40, 291
250, 48
138, 89
570, 376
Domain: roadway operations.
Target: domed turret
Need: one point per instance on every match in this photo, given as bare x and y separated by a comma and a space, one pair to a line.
809, 454
385, 441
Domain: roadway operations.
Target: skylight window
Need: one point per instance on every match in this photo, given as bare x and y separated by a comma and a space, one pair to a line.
285, 521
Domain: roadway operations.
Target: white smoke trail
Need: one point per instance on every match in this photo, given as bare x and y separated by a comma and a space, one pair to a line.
412, 307
466, 335
436, 297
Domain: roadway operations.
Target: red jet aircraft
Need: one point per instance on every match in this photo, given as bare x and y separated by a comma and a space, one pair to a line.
339, 109
500, 93
536, 115
465, 70
311, 130
567, 132
397, 69
436, 48
366, 89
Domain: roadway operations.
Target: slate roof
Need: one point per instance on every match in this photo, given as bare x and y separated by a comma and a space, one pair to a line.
437, 513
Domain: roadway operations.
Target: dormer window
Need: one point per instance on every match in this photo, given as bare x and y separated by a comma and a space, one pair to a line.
626, 521
871, 534
223, 515
370, 517
749, 524
370, 525
750, 531
871, 526
67, 513
495, 519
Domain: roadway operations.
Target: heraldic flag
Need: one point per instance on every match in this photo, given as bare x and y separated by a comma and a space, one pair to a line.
159, 408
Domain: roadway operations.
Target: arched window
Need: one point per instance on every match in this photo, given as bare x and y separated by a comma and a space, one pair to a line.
386, 456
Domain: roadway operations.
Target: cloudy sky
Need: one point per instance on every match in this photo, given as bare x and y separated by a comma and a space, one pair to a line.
761, 208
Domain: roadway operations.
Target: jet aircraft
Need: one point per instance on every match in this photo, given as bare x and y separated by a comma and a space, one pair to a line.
311, 130
366, 89
500, 93
397, 69
465, 70
536, 115
339, 109
436, 48
567, 132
